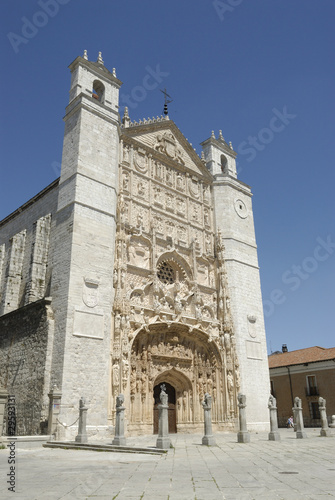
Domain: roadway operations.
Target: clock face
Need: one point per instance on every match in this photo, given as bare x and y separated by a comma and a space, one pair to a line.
241, 209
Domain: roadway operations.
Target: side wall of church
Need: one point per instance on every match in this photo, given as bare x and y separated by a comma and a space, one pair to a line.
25, 357
25, 260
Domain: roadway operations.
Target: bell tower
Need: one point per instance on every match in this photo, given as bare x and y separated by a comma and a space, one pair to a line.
233, 216
83, 254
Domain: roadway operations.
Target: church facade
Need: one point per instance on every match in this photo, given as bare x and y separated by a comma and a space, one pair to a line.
137, 267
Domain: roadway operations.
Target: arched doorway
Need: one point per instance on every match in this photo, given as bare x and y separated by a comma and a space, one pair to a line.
172, 412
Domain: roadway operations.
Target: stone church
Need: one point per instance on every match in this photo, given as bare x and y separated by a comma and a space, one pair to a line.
137, 267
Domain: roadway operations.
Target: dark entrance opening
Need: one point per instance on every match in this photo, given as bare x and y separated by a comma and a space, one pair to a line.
171, 392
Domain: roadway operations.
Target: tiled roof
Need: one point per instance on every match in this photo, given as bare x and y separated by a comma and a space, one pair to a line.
309, 355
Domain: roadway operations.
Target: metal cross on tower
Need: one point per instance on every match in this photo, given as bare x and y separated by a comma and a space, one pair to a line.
166, 101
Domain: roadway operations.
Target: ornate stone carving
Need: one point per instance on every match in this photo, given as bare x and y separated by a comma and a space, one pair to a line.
140, 161
167, 144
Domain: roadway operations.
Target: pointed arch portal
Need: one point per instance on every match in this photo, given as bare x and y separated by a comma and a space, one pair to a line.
189, 365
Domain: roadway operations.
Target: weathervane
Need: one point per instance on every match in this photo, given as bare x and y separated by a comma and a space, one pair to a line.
166, 101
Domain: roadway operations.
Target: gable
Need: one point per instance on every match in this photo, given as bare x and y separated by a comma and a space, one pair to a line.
164, 139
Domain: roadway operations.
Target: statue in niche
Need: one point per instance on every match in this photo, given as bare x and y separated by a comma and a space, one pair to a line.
230, 383
206, 217
179, 181
117, 323
116, 378
133, 381
140, 189
168, 176
206, 194
158, 194
125, 183
126, 153
158, 169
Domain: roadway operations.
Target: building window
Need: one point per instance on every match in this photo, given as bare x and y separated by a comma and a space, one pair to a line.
315, 413
224, 164
98, 91
312, 389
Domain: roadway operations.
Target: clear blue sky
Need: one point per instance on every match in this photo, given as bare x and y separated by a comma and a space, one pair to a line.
231, 65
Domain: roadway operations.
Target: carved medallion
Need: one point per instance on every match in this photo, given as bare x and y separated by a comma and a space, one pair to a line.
91, 292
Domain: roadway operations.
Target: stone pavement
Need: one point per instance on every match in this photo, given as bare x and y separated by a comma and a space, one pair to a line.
291, 469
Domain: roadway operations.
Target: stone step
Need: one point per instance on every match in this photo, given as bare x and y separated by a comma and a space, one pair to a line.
71, 445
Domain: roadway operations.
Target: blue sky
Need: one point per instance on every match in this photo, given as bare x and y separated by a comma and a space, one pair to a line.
261, 71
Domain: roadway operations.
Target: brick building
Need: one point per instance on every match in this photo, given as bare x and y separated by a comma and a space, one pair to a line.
306, 373
137, 267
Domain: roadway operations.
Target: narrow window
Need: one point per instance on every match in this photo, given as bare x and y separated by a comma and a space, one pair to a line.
312, 389
224, 164
98, 91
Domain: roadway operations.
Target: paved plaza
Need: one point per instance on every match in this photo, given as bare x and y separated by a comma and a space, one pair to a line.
291, 469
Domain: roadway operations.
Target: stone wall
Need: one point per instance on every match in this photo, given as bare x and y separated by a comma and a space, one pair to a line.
25, 356
25, 259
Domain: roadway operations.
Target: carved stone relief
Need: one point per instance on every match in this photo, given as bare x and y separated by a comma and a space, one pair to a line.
167, 144
140, 161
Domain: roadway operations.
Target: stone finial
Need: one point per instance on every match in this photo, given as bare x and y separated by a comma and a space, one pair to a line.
114, 72
230, 145
203, 155
85, 55
126, 119
221, 136
100, 60
213, 135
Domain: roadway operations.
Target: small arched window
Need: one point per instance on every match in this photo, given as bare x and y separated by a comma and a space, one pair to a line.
98, 91
224, 164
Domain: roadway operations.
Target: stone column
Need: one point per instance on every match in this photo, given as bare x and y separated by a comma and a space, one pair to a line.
3, 401
119, 438
272, 405
297, 409
163, 440
208, 438
243, 435
332, 425
82, 435
325, 431
55, 396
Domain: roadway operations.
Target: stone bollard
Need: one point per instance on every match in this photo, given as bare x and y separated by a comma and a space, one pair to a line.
208, 438
119, 438
332, 425
55, 397
297, 410
82, 435
272, 405
325, 431
3, 401
163, 440
243, 435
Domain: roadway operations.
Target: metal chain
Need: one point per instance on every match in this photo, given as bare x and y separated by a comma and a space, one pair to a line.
64, 425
